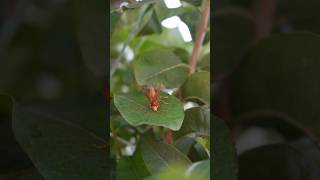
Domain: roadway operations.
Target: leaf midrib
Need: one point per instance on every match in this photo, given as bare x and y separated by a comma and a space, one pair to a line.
164, 70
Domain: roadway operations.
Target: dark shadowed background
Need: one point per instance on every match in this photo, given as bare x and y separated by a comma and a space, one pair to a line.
266, 65
52, 73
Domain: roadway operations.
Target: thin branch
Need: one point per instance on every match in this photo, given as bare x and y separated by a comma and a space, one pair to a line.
200, 36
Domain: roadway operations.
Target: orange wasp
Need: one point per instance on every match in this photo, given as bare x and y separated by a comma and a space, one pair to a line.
153, 96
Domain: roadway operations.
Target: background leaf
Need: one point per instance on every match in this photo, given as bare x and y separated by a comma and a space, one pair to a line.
290, 164
59, 148
234, 34
224, 163
194, 2
204, 64
198, 79
280, 76
159, 156
160, 65
196, 120
14, 163
132, 168
91, 29
201, 168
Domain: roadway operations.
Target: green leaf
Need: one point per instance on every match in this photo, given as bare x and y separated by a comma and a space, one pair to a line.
152, 26
234, 32
134, 108
185, 144
183, 55
91, 31
280, 76
132, 168
201, 169
277, 162
177, 172
204, 64
160, 65
196, 171
224, 154
158, 156
61, 148
114, 18
194, 2
14, 163
190, 89
196, 120
205, 143
192, 19
173, 39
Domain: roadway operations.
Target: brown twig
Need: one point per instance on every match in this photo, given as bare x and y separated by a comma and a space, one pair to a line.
200, 36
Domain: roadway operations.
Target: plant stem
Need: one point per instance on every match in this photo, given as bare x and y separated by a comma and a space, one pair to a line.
123, 141
200, 36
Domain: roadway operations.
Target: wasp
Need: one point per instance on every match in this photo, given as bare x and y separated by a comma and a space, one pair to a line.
153, 96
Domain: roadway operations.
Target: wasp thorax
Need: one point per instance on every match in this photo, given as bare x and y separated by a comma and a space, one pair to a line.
153, 97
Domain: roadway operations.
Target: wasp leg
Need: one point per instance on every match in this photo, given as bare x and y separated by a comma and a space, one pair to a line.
145, 92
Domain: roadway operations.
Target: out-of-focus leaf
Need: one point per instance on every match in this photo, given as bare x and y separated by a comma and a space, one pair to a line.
134, 108
205, 143
132, 168
177, 172
173, 39
190, 89
14, 161
194, 2
152, 26
300, 16
114, 18
91, 31
223, 153
160, 65
280, 75
158, 156
77, 110
196, 120
276, 162
183, 55
192, 19
162, 11
233, 37
204, 64
296, 9
22, 174
61, 148
201, 169
185, 144
198, 153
